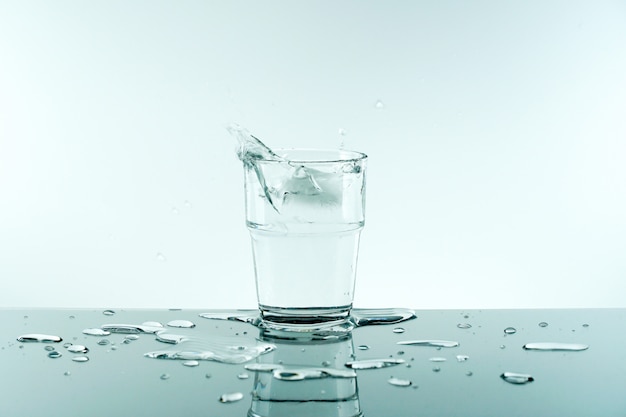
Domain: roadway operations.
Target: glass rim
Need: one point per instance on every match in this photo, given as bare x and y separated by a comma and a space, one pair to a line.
350, 155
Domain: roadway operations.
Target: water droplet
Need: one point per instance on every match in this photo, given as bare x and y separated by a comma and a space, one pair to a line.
436, 369
80, 359
437, 359
462, 358
103, 342
108, 312
374, 363
399, 382
185, 324
152, 324
72, 317
165, 376
208, 376
160, 257
78, 349
39, 338
191, 364
187, 204
550, 346
175, 210
131, 328
363, 347
431, 343
243, 376
48, 348
502, 346
66, 345
171, 338
510, 330
219, 349
464, 326
585, 325
231, 397
515, 378
342, 132
469, 373
67, 373
398, 330
379, 105
543, 324
54, 354
371, 317
96, 332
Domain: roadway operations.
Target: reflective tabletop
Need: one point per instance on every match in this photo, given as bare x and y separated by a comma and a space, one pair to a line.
129, 362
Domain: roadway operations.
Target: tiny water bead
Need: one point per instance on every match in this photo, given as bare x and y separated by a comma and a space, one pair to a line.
399, 330
462, 358
96, 332
510, 330
363, 347
379, 105
437, 359
54, 354
77, 349
464, 326
516, 378
80, 359
436, 369
431, 343
191, 364
374, 363
108, 312
103, 342
165, 376
543, 324
243, 376
399, 382
231, 397
160, 257
183, 324
49, 348
551, 346
39, 338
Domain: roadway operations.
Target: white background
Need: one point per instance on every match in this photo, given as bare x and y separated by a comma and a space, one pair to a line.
497, 162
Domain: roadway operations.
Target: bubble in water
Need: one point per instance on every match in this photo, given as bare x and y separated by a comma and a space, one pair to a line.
191, 364
39, 338
78, 349
515, 378
96, 332
543, 324
399, 330
399, 382
431, 343
165, 376
464, 326
54, 354
108, 312
374, 363
551, 346
184, 324
231, 397
80, 359
510, 330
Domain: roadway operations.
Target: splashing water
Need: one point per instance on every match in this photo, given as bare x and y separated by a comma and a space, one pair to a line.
226, 350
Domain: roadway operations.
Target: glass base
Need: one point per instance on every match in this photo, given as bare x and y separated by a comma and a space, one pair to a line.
311, 323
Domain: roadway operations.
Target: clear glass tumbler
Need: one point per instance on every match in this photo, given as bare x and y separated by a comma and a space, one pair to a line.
305, 212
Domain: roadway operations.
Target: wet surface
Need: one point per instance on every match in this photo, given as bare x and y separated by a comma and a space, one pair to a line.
76, 361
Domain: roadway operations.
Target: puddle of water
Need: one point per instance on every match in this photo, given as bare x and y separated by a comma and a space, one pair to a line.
39, 338
374, 363
431, 343
551, 346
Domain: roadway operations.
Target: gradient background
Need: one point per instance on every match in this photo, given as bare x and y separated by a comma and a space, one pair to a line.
497, 172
